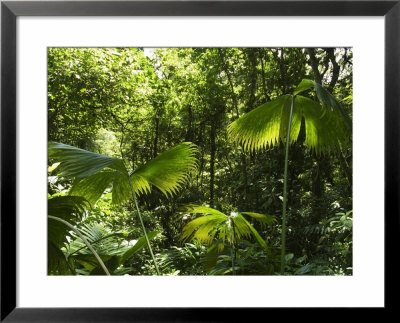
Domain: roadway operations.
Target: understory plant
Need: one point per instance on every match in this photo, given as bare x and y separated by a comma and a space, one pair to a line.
327, 129
89, 249
214, 224
93, 173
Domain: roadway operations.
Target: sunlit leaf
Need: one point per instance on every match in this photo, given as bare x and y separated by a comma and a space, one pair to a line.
169, 170
327, 126
94, 173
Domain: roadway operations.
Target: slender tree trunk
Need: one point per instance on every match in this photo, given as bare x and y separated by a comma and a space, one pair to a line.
263, 76
156, 134
252, 79
285, 189
189, 134
212, 159
232, 251
142, 224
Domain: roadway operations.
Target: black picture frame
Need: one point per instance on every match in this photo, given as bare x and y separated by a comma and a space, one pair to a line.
10, 10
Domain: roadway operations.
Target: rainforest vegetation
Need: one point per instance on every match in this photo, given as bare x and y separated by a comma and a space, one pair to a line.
200, 161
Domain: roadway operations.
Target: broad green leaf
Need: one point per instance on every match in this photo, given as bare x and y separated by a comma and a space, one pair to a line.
80, 163
260, 240
261, 127
304, 85
203, 228
263, 218
329, 101
94, 173
217, 224
169, 170
93, 186
193, 208
324, 127
327, 126
89, 261
324, 97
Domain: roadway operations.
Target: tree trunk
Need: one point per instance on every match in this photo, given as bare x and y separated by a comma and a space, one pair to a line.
189, 131
212, 159
155, 142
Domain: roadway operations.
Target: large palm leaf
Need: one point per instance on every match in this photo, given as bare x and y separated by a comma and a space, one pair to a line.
326, 124
327, 129
94, 173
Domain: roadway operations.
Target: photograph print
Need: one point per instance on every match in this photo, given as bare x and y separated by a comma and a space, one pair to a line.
200, 161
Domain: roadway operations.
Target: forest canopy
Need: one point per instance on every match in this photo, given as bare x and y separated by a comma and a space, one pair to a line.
200, 161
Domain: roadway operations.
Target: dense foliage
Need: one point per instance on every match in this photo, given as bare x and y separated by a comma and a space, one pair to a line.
200, 134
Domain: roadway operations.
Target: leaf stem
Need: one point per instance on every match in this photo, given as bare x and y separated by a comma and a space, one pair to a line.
143, 228
84, 240
230, 234
285, 189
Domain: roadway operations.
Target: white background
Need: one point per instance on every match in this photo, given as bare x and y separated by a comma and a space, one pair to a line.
364, 288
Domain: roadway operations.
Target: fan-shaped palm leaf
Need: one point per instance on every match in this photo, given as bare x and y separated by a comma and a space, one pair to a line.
228, 228
94, 173
168, 171
326, 124
324, 97
327, 127
80, 163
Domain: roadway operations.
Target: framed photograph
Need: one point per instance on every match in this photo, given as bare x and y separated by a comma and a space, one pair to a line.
210, 156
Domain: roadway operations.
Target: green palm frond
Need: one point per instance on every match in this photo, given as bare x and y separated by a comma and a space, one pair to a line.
203, 228
196, 209
67, 207
216, 224
262, 218
80, 163
253, 231
324, 97
326, 124
93, 186
261, 127
168, 171
94, 173
324, 128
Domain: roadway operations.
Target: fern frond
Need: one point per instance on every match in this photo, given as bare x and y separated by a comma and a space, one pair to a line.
68, 208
